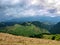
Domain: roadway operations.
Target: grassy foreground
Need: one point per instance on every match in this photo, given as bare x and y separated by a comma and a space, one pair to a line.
8, 39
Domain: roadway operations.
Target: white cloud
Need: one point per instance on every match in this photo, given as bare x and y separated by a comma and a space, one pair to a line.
9, 2
34, 2
25, 8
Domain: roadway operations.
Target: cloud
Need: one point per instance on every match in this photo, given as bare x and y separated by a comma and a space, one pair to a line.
24, 8
9, 2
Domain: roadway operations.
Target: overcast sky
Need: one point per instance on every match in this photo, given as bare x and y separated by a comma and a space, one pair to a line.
25, 8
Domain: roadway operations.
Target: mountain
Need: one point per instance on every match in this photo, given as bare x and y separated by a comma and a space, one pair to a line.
25, 28
51, 20
34, 27
56, 29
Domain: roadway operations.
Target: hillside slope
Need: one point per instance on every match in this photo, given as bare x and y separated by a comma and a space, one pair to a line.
24, 29
56, 29
8, 39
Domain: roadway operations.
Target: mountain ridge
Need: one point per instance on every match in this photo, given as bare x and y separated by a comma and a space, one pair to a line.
52, 20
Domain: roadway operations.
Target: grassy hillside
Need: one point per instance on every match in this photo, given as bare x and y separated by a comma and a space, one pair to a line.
29, 29
8, 39
23, 29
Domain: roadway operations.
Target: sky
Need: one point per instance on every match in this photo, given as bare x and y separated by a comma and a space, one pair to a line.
25, 8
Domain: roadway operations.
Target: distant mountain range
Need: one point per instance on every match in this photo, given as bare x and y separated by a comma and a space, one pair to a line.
47, 19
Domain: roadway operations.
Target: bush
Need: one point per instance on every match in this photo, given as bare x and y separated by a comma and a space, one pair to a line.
37, 36
53, 37
57, 37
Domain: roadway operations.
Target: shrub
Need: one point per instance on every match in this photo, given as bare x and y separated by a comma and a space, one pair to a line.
53, 37
37, 36
57, 37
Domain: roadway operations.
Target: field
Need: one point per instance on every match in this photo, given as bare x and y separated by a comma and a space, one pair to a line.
8, 39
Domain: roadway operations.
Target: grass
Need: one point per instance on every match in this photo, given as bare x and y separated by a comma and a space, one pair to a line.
52, 37
23, 30
8, 39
